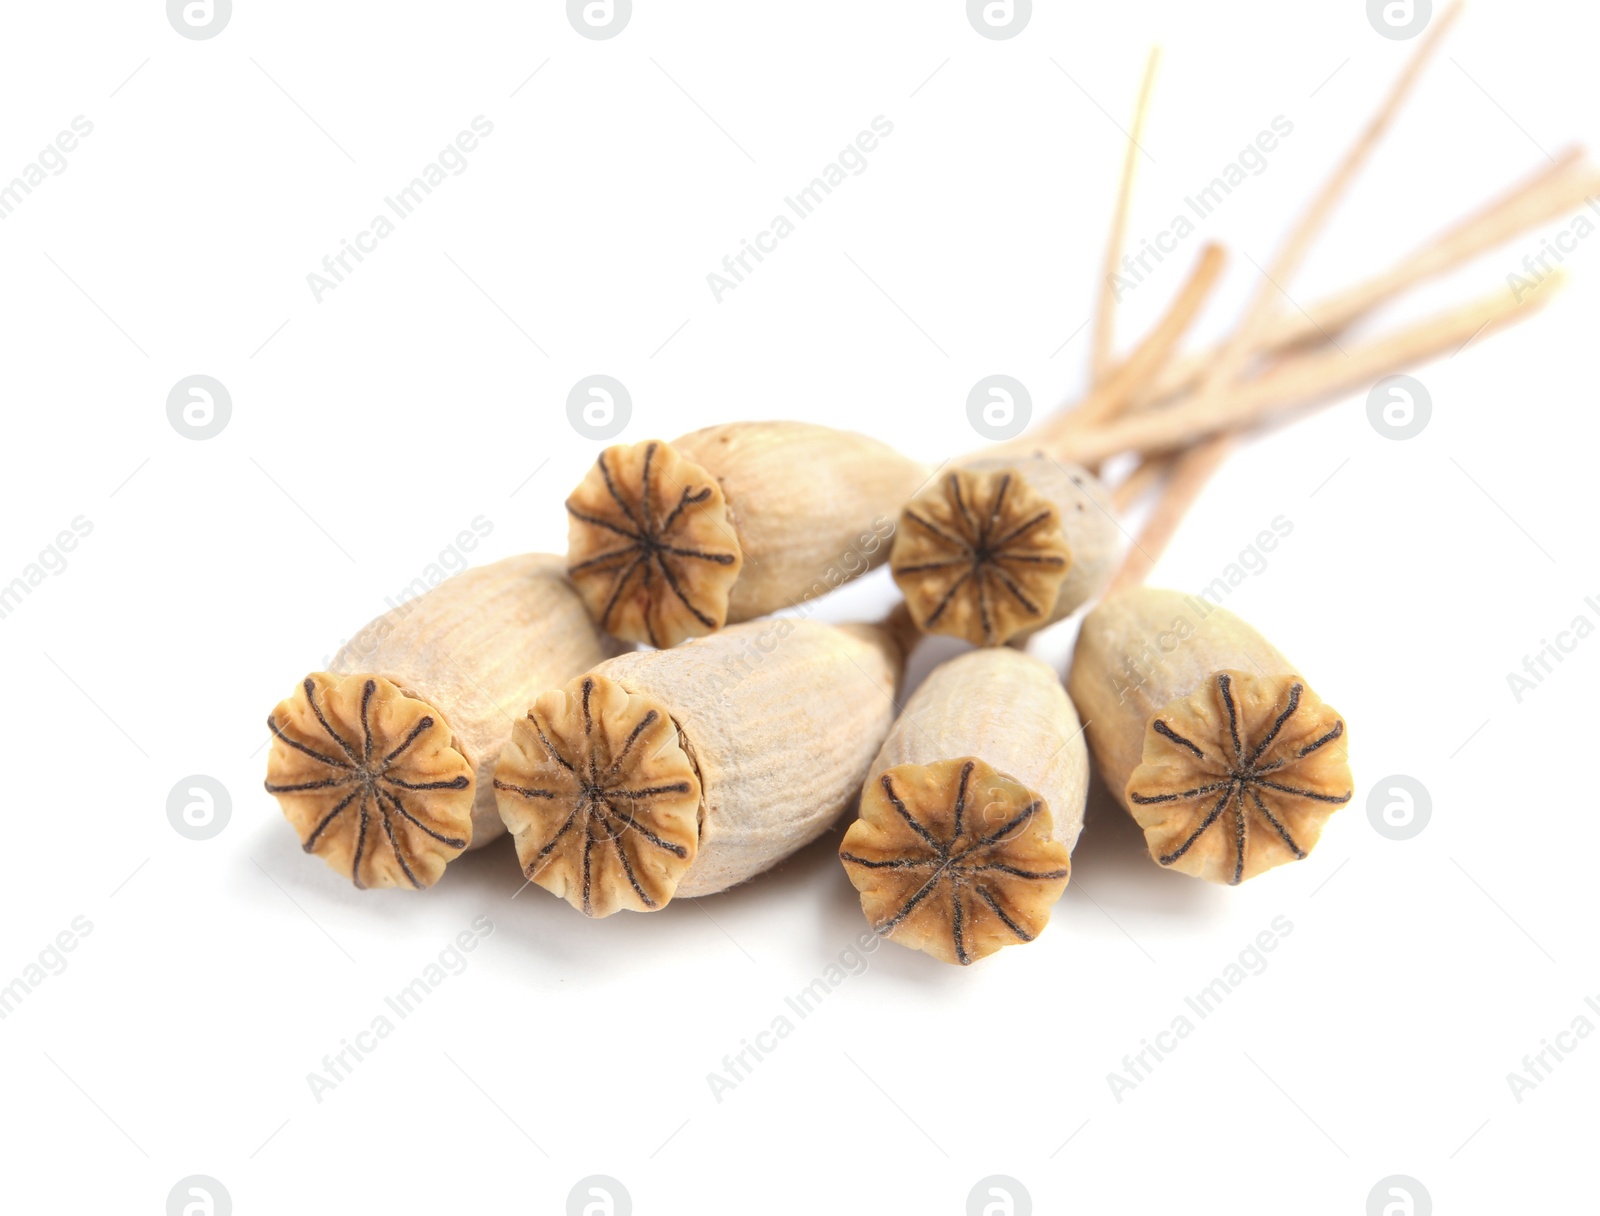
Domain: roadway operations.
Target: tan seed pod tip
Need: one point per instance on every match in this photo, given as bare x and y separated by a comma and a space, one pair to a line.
383, 765
677, 773
971, 810
669, 541
1216, 746
998, 549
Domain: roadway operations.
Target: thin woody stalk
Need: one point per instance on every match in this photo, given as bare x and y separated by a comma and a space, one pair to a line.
1106, 311
678, 773
1553, 191
1303, 380
383, 764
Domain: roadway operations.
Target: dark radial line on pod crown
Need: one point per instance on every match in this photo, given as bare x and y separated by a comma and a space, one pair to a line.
1338, 730
1153, 799
1288, 712
524, 790
455, 783
327, 783
631, 823
601, 558
423, 723
961, 800
894, 863
672, 581
1276, 826
1336, 799
1161, 728
1000, 833
310, 687
1226, 686
1211, 817
1239, 832
550, 748
685, 500
361, 843
949, 595
367, 689
954, 484
934, 530
957, 927
643, 725
278, 733
311, 840
1022, 529
616, 497
911, 905
602, 523
455, 842
911, 820
554, 840
994, 906
627, 869
399, 855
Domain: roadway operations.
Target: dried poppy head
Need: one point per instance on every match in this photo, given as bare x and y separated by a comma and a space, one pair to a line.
371, 779
955, 858
1239, 776
980, 555
650, 547
1204, 731
997, 549
601, 797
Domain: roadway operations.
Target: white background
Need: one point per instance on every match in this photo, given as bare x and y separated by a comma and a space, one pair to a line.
370, 428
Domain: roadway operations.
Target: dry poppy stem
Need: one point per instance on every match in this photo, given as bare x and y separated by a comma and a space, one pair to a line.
1195, 467
1190, 473
680, 773
1304, 380
1106, 312
1150, 471
1145, 365
383, 765
972, 808
1553, 191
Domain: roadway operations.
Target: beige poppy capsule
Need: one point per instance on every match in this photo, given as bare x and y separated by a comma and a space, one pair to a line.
384, 764
972, 808
669, 541
996, 549
680, 773
1207, 735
